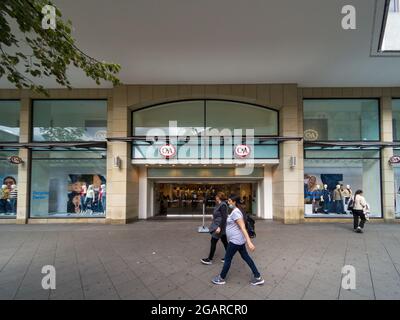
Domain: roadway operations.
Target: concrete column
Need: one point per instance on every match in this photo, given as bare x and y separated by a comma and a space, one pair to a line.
123, 190
25, 155
388, 191
288, 182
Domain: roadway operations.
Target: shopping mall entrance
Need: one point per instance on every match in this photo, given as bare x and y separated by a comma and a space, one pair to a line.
193, 198
188, 191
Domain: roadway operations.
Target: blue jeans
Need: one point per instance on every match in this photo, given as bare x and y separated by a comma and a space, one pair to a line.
230, 252
3, 206
13, 205
339, 206
103, 203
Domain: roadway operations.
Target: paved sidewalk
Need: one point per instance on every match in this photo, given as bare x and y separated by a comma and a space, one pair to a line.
161, 260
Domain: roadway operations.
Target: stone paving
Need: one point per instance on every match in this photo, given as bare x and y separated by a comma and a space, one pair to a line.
161, 260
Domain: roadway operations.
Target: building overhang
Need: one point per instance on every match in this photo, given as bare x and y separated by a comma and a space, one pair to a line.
205, 163
56, 145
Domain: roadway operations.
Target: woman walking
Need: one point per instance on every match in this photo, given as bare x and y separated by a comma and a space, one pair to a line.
217, 228
237, 235
358, 211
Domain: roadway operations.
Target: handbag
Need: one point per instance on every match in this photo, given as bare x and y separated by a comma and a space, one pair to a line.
350, 205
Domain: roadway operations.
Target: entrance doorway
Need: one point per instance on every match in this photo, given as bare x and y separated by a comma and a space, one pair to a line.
191, 198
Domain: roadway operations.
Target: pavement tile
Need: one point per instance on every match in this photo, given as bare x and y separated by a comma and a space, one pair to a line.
102, 262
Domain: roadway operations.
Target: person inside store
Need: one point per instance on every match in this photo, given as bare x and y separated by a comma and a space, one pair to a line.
217, 227
8, 196
238, 237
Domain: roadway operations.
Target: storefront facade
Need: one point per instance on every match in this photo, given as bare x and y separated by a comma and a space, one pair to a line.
142, 151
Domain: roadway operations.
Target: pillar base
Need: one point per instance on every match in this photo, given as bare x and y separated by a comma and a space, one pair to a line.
121, 221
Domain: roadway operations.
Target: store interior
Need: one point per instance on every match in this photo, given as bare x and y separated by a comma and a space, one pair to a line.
189, 198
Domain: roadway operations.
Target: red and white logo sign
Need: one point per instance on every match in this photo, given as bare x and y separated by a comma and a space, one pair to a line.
15, 160
167, 151
394, 160
242, 150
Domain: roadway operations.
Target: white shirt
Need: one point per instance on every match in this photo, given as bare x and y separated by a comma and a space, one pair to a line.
359, 202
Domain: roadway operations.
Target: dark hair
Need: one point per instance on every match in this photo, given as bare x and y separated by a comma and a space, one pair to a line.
357, 193
221, 196
9, 177
102, 179
72, 195
239, 203
235, 199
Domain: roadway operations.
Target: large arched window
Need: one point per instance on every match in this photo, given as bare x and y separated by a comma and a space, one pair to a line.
192, 118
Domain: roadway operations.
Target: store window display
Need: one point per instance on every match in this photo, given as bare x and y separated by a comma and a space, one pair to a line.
8, 185
338, 177
68, 184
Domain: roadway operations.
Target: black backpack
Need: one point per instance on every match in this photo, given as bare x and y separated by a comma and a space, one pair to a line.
250, 224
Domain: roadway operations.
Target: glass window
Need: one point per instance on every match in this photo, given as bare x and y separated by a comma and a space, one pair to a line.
189, 117
341, 120
9, 180
396, 119
391, 30
190, 122
9, 120
330, 180
69, 120
68, 184
233, 115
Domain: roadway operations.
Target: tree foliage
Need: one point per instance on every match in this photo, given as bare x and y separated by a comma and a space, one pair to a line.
52, 51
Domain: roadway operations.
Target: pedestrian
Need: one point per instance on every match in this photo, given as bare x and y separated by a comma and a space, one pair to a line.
238, 237
358, 211
217, 227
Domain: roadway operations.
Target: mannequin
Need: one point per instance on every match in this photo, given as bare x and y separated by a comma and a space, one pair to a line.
348, 194
338, 200
89, 198
13, 198
83, 195
4, 199
316, 198
326, 198
103, 197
